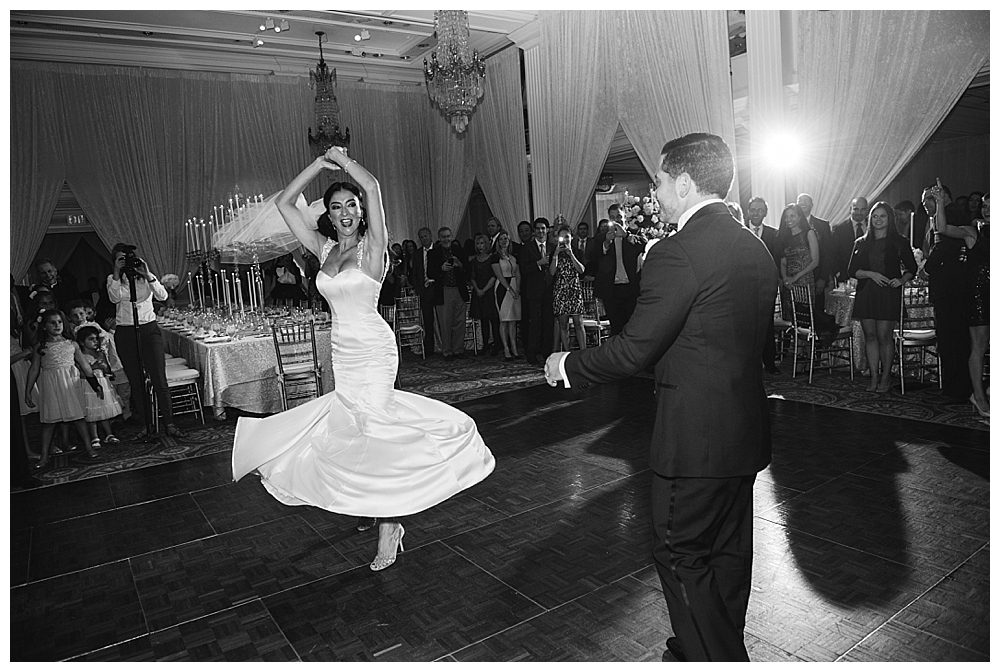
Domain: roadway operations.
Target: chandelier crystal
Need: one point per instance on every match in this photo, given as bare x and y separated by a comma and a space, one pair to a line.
326, 109
455, 75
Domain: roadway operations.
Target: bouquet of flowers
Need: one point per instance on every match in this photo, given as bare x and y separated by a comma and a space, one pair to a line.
170, 281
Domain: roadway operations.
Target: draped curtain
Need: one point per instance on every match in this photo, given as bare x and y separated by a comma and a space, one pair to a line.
497, 129
452, 171
144, 149
660, 74
874, 86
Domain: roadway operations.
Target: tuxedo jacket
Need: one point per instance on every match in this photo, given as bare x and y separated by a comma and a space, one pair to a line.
822, 228
843, 237
702, 317
607, 266
435, 259
769, 236
589, 251
416, 275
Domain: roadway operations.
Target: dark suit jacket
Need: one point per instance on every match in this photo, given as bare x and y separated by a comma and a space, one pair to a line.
417, 274
589, 251
703, 314
769, 236
435, 259
533, 279
822, 228
607, 265
843, 237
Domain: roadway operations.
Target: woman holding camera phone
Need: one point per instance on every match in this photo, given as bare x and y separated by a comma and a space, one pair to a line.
126, 265
567, 295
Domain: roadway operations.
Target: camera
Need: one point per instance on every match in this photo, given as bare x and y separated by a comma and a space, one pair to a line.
132, 260
564, 239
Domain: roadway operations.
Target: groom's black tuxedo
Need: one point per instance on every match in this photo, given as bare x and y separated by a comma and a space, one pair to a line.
703, 314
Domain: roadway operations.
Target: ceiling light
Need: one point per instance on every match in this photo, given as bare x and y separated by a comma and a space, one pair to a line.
262, 26
364, 35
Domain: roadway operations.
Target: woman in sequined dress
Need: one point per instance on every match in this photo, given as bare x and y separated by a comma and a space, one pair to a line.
977, 240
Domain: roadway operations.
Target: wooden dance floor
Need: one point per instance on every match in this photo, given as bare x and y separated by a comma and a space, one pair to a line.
871, 544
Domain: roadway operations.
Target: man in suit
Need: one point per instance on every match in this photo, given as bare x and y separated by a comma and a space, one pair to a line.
843, 236
702, 317
823, 272
583, 244
423, 285
493, 230
524, 236
905, 213
617, 281
62, 285
451, 292
757, 211
537, 282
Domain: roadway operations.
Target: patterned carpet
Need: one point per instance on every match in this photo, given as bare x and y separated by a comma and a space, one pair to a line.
471, 378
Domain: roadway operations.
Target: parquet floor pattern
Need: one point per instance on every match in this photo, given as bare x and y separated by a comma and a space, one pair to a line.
871, 544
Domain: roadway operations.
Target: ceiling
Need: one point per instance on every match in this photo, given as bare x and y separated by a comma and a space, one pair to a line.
222, 41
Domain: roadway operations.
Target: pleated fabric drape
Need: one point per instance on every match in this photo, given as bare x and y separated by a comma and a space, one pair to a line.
497, 130
660, 74
452, 172
144, 149
874, 86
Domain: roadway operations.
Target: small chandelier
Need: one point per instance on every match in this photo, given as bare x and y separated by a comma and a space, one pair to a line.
327, 111
456, 74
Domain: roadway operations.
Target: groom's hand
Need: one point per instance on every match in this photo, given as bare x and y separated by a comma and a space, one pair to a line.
552, 375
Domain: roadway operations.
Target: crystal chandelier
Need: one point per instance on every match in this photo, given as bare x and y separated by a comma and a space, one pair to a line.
456, 74
327, 111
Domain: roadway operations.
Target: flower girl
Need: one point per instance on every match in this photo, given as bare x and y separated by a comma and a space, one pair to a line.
99, 408
54, 368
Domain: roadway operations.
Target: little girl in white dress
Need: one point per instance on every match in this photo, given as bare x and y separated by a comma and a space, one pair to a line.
99, 409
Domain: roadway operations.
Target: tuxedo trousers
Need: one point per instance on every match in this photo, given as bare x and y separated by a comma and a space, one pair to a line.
427, 313
621, 306
703, 551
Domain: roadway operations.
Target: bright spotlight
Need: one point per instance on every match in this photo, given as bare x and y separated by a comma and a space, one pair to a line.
782, 150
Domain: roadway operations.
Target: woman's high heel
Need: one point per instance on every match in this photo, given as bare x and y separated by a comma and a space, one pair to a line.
981, 412
382, 561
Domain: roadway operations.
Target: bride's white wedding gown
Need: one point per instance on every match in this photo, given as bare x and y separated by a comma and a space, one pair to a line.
364, 449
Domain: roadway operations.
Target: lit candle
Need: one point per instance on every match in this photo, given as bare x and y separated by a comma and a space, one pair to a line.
204, 234
911, 229
190, 290
238, 285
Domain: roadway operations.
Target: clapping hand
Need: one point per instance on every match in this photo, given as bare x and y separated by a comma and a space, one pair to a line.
552, 375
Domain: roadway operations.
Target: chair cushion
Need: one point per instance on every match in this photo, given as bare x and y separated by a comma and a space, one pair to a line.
303, 367
781, 324
918, 334
177, 374
174, 361
408, 328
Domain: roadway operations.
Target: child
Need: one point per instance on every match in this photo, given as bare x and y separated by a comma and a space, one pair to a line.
81, 314
52, 367
99, 408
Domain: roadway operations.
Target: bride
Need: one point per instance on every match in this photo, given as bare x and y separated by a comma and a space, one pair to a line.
364, 449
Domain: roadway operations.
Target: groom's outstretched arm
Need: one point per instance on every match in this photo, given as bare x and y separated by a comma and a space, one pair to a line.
667, 293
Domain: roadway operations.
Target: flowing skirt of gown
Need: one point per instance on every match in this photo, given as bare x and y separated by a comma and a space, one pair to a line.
364, 449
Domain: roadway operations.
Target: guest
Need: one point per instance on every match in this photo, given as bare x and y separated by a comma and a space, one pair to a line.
844, 234
757, 209
584, 245
20, 355
409, 261
824, 270
525, 233
41, 300
534, 263
451, 292
567, 295
617, 281
422, 283
54, 368
702, 319
508, 297
100, 408
483, 304
468, 251
951, 289
799, 250
62, 285
394, 278
140, 347
976, 206
876, 262
312, 266
976, 237
493, 229
962, 203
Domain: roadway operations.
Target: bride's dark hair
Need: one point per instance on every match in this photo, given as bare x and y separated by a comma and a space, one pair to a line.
325, 225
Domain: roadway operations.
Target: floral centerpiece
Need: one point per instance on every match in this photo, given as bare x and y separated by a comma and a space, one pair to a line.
170, 282
642, 219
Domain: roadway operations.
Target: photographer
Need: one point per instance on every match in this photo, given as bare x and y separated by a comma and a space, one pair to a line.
126, 266
567, 294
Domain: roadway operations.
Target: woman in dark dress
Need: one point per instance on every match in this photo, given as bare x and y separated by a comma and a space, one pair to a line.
287, 282
876, 262
977, 241
483, 305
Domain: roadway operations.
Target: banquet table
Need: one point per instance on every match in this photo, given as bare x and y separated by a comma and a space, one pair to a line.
240, 373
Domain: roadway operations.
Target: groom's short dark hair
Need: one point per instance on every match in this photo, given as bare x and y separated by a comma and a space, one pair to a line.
703, 156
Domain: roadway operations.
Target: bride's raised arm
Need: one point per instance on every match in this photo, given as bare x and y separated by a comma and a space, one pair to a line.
378, 235
305, 231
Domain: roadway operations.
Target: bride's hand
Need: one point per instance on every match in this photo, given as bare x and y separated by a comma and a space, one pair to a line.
337, 155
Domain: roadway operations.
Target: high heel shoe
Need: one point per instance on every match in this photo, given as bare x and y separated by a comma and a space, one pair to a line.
981, 412
382, 561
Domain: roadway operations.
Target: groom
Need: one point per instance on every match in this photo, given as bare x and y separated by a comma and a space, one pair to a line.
702, 317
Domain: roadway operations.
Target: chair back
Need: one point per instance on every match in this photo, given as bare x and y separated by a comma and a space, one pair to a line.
388, 314
916, 311
802, 309
295, 345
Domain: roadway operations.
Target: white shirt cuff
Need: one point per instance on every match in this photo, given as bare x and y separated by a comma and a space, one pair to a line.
562, 369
